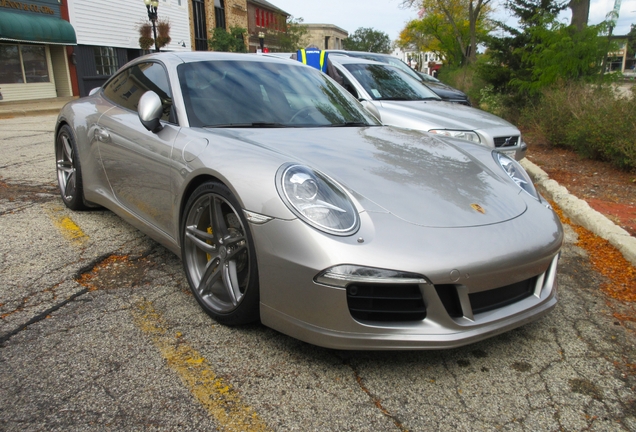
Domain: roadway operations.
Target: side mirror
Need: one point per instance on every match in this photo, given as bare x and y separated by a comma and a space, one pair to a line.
150, 111
371, 108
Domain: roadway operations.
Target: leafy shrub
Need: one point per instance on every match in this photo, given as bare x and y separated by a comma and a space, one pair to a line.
232, 41
465, 79
592, 120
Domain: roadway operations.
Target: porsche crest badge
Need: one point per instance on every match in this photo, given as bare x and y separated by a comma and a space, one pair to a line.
478, 208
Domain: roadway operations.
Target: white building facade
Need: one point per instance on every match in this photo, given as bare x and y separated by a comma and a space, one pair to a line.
108, 35
427, 62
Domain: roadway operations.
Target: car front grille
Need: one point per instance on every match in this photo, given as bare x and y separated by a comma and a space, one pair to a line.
508, 141
484, 301
386, 302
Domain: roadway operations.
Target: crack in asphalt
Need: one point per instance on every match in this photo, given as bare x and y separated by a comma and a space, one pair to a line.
39, 317
376, 400
84, 270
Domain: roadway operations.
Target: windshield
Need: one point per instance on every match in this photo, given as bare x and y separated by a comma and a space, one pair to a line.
263, 94
388, 83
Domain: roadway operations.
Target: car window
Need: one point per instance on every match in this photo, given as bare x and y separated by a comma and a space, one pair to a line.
349, 87
126, 87
388, 83
393, 61
243, 93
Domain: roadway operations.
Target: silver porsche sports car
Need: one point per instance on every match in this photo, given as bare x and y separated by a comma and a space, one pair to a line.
290, 204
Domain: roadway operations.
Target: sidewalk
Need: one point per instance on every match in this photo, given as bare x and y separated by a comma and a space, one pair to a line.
33, 107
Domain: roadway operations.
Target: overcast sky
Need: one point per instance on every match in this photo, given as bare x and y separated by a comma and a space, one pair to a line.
386, 15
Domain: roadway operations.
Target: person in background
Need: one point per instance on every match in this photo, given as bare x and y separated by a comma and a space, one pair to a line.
314, 57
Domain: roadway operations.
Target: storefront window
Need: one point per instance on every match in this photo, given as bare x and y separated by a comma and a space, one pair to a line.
105, 60
18, 62
36, 68
10, 65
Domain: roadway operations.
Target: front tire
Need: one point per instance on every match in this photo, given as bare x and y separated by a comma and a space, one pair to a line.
69, 175
219, 258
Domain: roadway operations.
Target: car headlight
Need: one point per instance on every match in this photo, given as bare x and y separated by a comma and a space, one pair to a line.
516, 172
465, 135
317, 200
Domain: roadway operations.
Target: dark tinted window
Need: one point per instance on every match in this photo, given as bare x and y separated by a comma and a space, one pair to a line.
126, 87
242, 93
388, 83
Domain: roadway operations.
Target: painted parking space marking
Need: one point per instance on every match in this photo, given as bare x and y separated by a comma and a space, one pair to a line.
65, 225
221, 401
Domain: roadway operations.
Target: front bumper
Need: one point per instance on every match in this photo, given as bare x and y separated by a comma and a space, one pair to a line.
517, 152
290, 255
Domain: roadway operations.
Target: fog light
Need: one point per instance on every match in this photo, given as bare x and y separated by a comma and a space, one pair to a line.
342, 275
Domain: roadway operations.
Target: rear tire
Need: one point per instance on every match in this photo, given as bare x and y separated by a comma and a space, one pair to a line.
69, 175
219, 258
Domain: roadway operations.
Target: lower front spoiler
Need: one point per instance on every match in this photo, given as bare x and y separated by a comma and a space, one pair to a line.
393, 339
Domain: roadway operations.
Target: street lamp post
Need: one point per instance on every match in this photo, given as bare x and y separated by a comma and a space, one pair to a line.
152, 5
261, 40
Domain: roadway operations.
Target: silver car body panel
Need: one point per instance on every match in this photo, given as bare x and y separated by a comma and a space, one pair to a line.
435, 114
414, 193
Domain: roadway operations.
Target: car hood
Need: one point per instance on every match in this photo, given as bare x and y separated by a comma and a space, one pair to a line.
445, 91
413, 175
443, 114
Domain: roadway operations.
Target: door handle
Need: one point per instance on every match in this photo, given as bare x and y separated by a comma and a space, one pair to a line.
102, 135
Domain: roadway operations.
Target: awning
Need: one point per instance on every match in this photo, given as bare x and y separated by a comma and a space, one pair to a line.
32, 27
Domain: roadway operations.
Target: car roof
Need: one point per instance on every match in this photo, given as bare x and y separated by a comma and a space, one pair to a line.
345, 60
361, 54
176, 58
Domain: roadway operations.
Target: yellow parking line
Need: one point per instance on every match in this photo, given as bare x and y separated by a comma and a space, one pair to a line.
222, 402
69, 229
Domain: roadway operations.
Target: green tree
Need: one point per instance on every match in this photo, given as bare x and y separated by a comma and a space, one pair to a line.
369, 40
466, 19
435, 32
295, 36
232, 41
504, 55
542, 51
559, 52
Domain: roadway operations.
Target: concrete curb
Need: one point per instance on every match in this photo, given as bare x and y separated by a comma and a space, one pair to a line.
581, 213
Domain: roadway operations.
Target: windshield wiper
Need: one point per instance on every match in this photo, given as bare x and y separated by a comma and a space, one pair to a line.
395, 99
249, 125
408, 99
350, 124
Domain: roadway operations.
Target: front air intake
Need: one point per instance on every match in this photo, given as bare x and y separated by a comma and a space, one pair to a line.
386, 302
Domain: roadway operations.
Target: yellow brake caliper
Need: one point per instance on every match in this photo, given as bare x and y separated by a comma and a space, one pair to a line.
209, 242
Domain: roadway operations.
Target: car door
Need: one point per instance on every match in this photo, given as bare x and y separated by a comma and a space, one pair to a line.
135, 160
